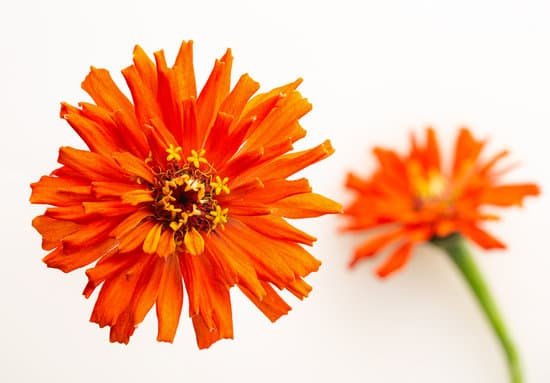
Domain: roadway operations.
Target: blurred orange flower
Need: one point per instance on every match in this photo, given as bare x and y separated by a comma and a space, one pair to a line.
413, 198
178, 188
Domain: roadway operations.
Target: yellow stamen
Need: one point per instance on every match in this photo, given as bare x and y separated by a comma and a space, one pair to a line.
176, 225
436, 183
152, 239
193, 184
193, 241
173, 211
173, 153
179, 181
149, 158
220, 185
427, 186
197, 158
201, 192
184, 217
195, 211
167, 199
166, 190
219, 216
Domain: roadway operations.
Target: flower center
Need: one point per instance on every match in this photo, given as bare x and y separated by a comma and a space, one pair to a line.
184, 194
430, 187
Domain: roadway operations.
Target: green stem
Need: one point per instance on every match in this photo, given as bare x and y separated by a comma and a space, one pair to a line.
456, 248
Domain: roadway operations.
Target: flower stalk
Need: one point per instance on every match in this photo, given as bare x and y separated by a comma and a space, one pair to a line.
455, 246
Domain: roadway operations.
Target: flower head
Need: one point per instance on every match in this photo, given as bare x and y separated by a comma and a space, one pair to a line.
182, 189
413, 198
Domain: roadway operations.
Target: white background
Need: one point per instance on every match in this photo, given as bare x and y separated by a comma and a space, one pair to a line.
374, 71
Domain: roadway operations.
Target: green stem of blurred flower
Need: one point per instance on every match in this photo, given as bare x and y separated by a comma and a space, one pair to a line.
455, 246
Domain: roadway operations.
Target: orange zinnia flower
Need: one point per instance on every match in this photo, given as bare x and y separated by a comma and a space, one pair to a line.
414, 198
182, 189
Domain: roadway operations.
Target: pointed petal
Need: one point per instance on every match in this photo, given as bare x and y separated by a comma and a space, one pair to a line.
169, 300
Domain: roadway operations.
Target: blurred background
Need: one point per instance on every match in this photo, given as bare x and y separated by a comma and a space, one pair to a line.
374, 71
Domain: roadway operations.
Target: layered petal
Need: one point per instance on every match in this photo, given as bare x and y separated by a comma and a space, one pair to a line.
413, 199
182, 191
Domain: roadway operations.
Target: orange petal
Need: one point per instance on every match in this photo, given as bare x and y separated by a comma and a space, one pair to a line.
145, 68
233, 141
159, 137
114, 208
59, 191
193, 241
130, 223
445, 227
147, 290
355, 182
217, 140
234, 266
508, 195
82, 257
433, 160
189, 135
241, 93
269, 264
96, 136
393, 169
167, 244
134, 166
396, 260
280, 122
168, 95
53, 230
135, 238
298, 259
277, 228
184, 70
122, 329
376, 244
272, 305
493, 161
116, 293
101, 87
88, 234
206, 336
299, 288
306, 205
129, 128
152, 239
108, 267
212, 94
291, 163
277, 189
69, 213
480, 237
221, 315
209, 303
246, 165
169, 300
146, 105
467, 150
90, 165
135, 197
111, 189
264, 101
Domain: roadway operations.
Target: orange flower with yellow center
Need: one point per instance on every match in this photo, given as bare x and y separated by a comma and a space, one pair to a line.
178, 189
414, 199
